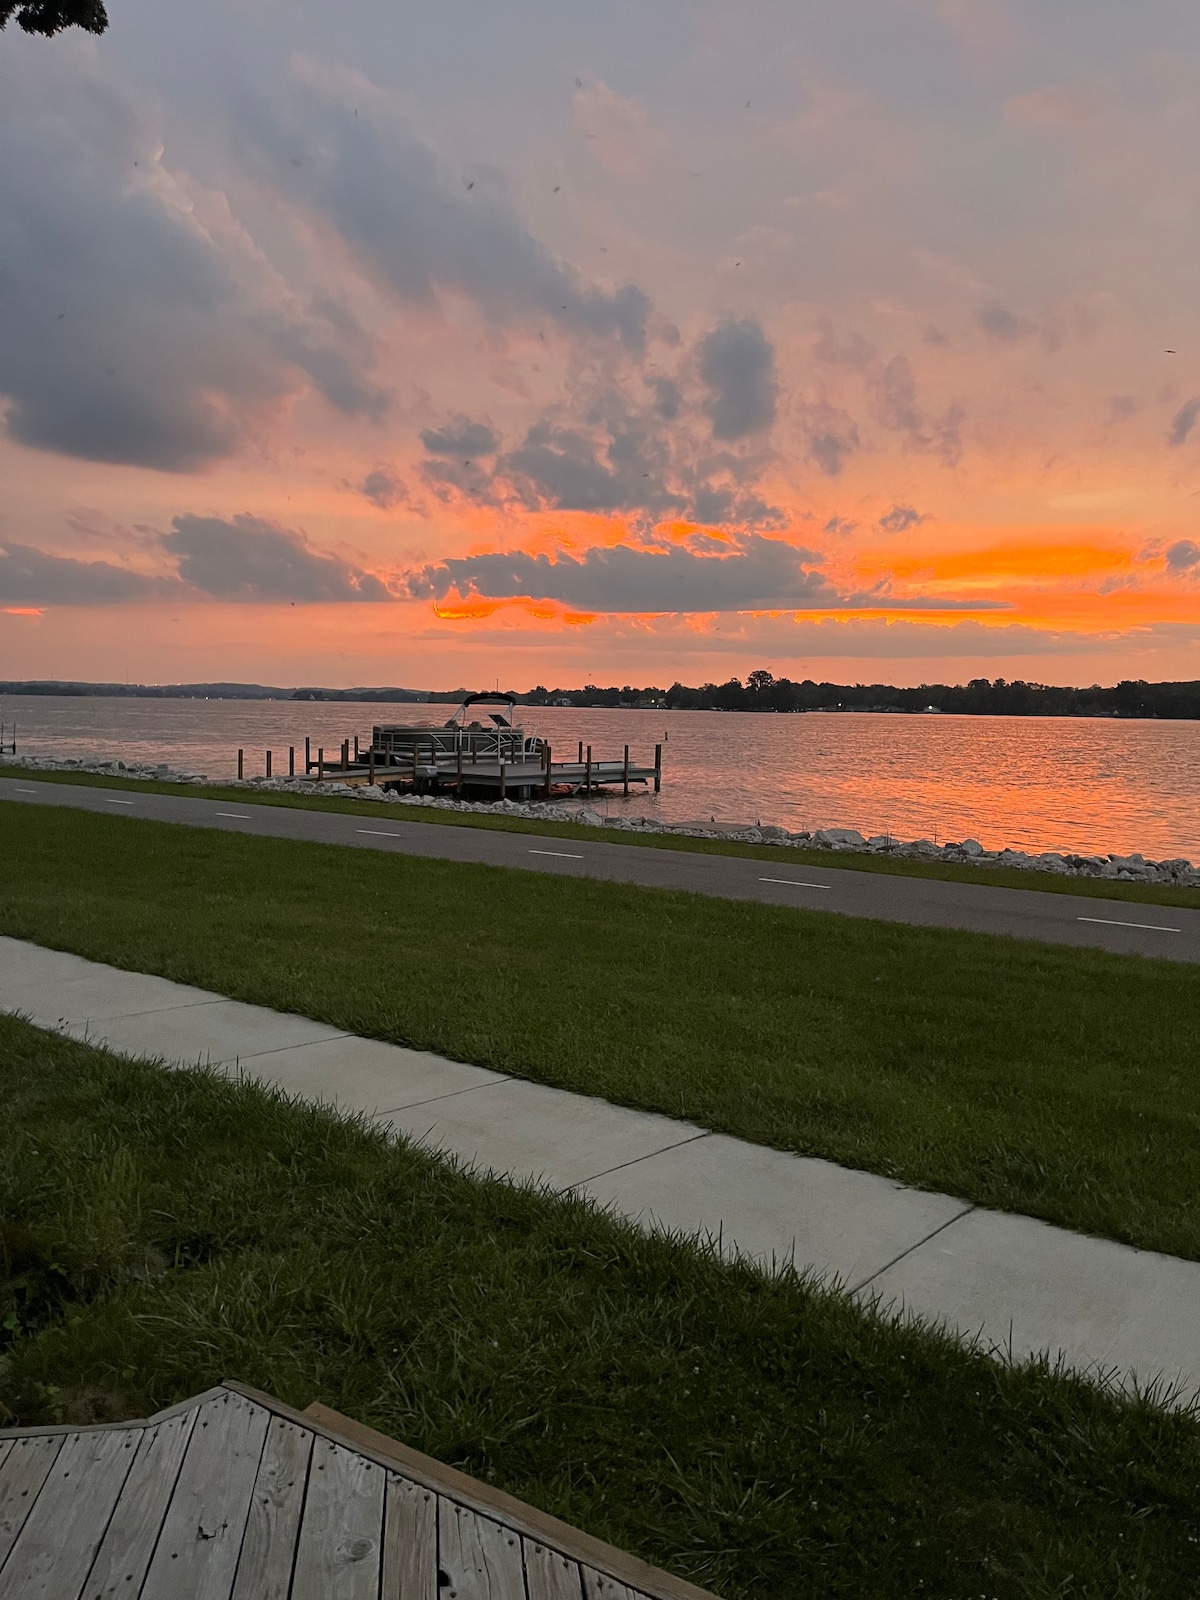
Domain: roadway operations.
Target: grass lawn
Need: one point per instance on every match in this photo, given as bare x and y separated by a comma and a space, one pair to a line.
1038, 1078
162, 1231
947, 871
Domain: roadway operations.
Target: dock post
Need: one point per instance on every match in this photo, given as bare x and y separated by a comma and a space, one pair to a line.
371, 766
291, 761
240, 764
307, 757
588, 783
657, 768
548, 768
502, 778
626, 772
268, 763
355, 749
321, 763
458, 781
581, 752
345, 755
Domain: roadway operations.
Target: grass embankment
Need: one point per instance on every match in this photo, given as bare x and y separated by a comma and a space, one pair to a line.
846, 860
165, 1230
1053, 1081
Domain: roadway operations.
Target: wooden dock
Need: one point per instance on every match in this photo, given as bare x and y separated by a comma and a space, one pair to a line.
234, 1496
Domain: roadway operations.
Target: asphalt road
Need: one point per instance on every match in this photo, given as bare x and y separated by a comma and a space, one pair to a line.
1118, 925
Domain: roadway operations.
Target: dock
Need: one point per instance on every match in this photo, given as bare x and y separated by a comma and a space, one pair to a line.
235, 1496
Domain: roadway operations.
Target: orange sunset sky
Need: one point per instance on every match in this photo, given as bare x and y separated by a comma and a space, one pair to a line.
543, 342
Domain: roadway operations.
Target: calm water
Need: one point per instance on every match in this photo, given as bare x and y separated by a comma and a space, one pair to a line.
1035, 783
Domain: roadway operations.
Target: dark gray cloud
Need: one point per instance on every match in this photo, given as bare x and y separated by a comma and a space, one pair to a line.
460, 437
761, 574
35, 578
737, 366
129, 333
383, 487
1121, 407
1183, 556
901, 518
830, 445
412, 220
247, 558
601, 452
840, 527
1183, 422
1003, 325
668, 397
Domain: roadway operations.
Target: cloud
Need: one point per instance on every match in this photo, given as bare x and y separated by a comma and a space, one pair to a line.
1004, 325
338, 146
891, 387
34, 577
1121, 407
737, 366
840, 527
901, 518
602, 451
248, 558
1183, 422
761, 574
1183, 556
383, 488
131, 332
460, 438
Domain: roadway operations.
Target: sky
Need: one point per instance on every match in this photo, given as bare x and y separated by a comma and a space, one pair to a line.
561, 342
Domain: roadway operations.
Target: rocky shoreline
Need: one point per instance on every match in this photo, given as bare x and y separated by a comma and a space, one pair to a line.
1128, 869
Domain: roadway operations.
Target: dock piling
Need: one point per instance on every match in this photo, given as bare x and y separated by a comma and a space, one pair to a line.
291, 761
321, 763
588, 778
307, 757
549, 761
657, 768
269, 754
241, 759
502, 777
345, 755
625, 774
371, 766
581, 751
356, 752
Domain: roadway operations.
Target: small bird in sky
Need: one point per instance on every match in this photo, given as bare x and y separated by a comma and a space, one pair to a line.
579, 83
1169, 352
556, 188
747, 105
603, 249
471, 185
60, 316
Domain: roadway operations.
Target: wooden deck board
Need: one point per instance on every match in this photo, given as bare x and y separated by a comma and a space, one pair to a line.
124, 1554
235, 1496
339, 1554
596, 1586
409, 1542
549, 1575
478, 1558
22, 1474
53, 1553
273, 1526
197, 1553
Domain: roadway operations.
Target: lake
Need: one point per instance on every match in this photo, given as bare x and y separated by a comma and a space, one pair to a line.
1033, 783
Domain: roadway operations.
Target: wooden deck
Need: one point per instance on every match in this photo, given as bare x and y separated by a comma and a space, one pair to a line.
234, 1496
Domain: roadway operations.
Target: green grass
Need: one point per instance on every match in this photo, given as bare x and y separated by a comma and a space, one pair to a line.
1057, 1082
845, 860
162, 1231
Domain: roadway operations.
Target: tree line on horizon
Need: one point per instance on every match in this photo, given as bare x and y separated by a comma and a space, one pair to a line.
762, 691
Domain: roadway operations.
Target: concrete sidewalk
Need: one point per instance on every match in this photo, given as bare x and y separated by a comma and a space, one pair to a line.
1021, 1285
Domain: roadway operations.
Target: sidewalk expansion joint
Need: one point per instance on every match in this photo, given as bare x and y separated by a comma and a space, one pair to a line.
857, 1288
705, 1133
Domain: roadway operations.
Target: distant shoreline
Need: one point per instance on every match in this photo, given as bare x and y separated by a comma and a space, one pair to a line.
1128, 700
